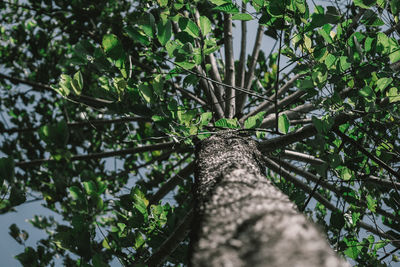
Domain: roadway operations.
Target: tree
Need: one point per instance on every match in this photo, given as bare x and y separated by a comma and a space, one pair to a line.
155, 86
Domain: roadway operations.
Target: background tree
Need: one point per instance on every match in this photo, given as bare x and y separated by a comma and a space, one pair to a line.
142, 82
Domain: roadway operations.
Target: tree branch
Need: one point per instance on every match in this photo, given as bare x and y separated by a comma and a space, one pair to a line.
81, 98
209, 91
219, 90
80, 123
277, 169
242, 98
172, 242
369, 155
189, 95
172, 183
299, 184
295, 113
294, 155
313, 178
265, 104
300, 134
229, 67
146, 148
243, 43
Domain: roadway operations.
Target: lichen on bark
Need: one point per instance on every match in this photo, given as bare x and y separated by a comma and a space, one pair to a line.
241, 218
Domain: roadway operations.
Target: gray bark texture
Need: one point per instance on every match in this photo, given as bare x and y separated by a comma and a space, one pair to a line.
242, 219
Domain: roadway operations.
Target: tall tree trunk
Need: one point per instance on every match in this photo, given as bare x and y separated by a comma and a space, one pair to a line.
242, 219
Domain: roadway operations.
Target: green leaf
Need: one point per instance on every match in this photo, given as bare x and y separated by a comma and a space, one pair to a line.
382, 83
393, 95
137, 36
344, 63
227, 8
6, 170
205, 118
146, 92
110, 42
368, 44
325, 33
78, 77
330, 61
254, 121
140, 202
220, 2
189, 26
283, 123
75, 193
205, 25
364, 3
242, 16
345, 174
301, 6
162, 3
337, 220
17, 196
227, 123
105, 244
322, 125
90, 188
147, 24
164, 32
371, 203
367, 93
395, 7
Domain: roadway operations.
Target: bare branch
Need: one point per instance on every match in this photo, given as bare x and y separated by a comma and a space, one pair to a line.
242, 98
393, 28
219, 89
172, 183
209, 91
300, 134
189, 95
81, 98
313, 178
265, 104
172, 242
299, 184
277, 169
294, 155
369, 155
229, 67
80, 123
243, 43
295, 113
100, 155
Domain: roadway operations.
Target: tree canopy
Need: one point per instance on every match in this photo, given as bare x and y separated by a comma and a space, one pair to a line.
103, 102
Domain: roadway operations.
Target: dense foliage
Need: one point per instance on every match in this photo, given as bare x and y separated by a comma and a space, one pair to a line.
102, 103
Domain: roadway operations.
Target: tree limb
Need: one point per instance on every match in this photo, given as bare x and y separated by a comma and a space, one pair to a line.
265, 104
243, 43
294, 155
300, 134
172, 183
219, 90
369, 155
295, 113
242, 98
209, 91
80, 123
146, 148
313, 178
172, 242
229, 67
189, 95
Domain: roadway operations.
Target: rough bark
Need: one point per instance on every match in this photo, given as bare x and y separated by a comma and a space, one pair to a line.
242, 219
